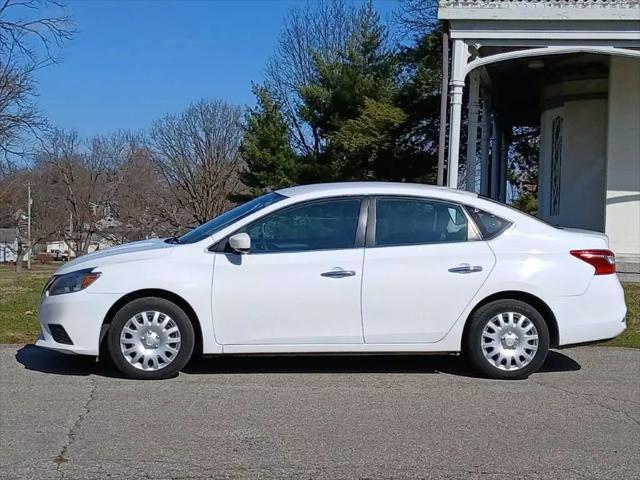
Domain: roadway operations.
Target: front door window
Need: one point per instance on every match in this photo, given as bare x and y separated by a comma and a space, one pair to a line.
322, 225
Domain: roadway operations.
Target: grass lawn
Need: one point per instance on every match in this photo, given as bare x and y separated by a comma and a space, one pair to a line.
631, 336
20, 294
19, 298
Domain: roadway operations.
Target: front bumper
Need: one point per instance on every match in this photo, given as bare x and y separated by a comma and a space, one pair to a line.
81, 314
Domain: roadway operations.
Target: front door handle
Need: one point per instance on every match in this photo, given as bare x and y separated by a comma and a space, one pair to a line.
466, 269
338, 273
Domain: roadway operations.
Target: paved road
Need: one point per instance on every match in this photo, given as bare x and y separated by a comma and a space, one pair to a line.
349, 417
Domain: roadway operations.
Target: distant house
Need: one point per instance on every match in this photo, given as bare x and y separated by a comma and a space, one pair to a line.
102, 241
59, 246
8, 244
570, 68
97, 242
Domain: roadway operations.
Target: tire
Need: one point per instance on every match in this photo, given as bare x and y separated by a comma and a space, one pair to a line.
501, 340
150, 339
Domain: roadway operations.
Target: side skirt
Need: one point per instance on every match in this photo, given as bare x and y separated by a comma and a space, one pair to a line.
333, 349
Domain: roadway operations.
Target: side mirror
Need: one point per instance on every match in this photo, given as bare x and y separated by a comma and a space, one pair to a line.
240, 242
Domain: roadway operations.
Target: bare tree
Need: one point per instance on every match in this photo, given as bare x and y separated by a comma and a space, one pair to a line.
143, 204
197, 153
103, 188
418, 16
17, 111
315, 29
12, 194
84, 179
49, 216
29, 28
9, 177
31, 31
13, 207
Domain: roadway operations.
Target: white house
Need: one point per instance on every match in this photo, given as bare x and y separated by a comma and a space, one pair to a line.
571, 67
8, 244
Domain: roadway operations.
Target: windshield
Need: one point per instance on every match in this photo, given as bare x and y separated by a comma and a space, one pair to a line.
212, 226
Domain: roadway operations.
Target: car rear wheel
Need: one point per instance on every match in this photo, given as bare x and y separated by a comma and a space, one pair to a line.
150, 338
507, 339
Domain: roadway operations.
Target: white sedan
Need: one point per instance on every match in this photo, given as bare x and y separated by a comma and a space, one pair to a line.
342, 268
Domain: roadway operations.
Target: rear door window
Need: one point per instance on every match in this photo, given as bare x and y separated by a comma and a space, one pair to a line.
414, 221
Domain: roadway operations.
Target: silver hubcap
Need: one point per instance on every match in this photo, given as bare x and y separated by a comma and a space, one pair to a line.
509, 341
150, 340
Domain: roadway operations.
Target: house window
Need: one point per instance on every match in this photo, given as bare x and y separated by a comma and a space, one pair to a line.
556, 165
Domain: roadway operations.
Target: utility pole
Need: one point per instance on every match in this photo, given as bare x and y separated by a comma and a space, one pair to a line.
29, 202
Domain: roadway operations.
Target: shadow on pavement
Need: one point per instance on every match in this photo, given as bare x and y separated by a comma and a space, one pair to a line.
46, 361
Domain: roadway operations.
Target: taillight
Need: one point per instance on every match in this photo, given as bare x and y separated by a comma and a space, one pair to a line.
604, 261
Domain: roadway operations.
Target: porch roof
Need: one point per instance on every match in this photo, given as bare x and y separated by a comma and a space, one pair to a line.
539, 10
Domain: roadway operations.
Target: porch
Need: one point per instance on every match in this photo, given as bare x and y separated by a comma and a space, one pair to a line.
567, 75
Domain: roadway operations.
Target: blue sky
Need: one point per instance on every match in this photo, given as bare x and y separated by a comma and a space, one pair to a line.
132, 62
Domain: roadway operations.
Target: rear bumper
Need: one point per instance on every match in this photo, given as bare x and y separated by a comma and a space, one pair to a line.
81, 314
599, 314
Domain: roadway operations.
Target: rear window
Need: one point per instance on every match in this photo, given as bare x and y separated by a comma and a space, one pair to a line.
490, 225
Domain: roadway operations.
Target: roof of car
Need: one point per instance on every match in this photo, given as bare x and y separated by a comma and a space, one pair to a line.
373, 188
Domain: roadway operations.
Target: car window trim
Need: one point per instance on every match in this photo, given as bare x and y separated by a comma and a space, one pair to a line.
473, 233
359, 240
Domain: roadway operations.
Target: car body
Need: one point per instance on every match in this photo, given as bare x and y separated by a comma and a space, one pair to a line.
349, 267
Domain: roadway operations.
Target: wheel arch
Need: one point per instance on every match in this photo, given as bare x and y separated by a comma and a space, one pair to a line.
536, 302
158, 293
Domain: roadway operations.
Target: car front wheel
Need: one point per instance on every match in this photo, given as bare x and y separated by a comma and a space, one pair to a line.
507, 339
150, 338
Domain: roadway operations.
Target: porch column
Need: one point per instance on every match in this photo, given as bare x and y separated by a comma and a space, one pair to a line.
458, 63
485, 138
495, 159
504, 162
472, 130
442, 137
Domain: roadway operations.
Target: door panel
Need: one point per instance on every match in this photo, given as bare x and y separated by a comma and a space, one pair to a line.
423, 267
301, 282
409, 294
288, 298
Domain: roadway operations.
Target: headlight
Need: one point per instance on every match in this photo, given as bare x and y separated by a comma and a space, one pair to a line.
71, 282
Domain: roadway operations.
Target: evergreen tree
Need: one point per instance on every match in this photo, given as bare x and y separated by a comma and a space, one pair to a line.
371, 113
416, 147
351, 102
270, 161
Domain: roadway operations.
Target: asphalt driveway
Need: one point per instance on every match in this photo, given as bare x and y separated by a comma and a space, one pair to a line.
321, 417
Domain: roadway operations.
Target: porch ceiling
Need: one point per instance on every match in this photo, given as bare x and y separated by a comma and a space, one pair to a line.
516, 87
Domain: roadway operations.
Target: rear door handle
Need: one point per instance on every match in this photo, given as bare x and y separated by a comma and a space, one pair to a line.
338, 273
466, 269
